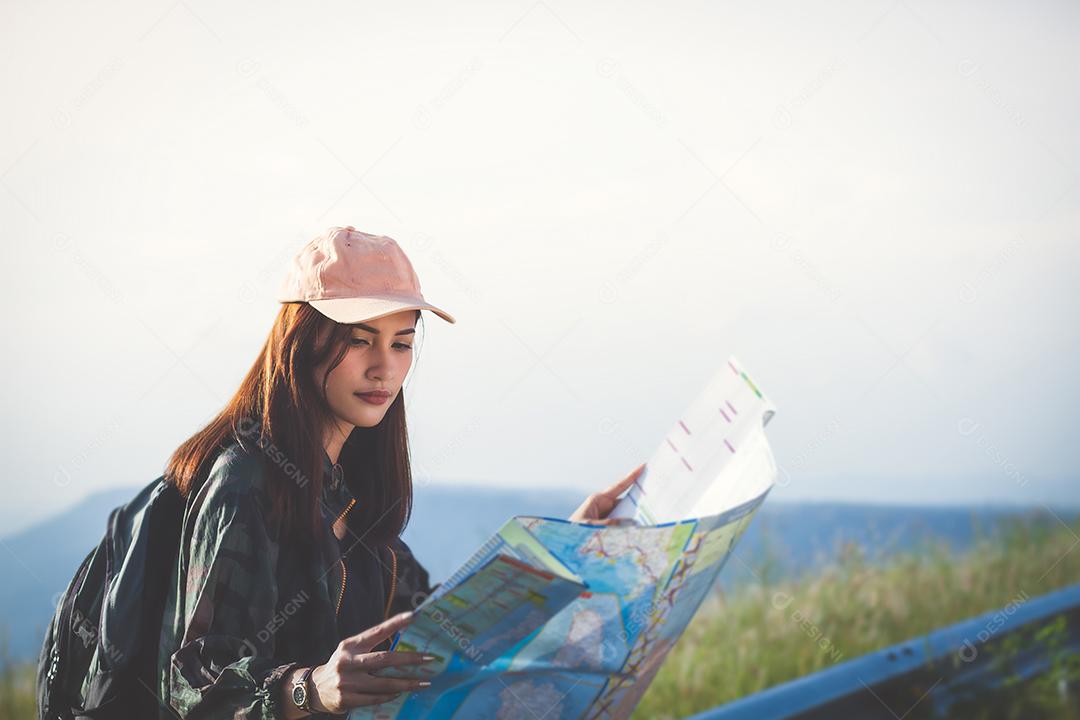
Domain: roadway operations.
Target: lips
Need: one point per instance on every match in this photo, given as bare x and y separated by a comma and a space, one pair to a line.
375, 394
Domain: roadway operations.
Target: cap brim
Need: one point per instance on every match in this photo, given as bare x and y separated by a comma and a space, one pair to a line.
352, 310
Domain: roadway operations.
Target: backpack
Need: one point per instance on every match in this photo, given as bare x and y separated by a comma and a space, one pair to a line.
99, 656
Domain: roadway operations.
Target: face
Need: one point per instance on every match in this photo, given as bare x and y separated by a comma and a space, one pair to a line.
379, 356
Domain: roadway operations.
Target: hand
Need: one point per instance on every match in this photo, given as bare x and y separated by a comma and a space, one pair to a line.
347, 680
596, 507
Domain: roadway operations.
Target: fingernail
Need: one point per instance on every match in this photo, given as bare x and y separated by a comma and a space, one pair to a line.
424, 683
427, 658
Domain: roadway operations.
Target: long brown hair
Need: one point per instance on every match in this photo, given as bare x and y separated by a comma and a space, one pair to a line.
279, 409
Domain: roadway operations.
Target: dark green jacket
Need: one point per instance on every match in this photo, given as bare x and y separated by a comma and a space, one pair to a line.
244, 610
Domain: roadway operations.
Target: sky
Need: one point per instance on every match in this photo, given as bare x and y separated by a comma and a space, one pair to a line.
873, 206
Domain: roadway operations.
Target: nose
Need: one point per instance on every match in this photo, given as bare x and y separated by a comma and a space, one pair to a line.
381, 369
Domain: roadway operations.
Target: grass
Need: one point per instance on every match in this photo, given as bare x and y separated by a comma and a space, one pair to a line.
16, 685
772, 632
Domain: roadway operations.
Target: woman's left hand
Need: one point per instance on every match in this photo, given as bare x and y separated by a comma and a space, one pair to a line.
596, 507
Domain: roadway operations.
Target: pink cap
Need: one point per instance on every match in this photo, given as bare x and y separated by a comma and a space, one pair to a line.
351, 276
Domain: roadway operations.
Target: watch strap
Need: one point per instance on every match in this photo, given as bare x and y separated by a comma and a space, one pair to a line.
306, 705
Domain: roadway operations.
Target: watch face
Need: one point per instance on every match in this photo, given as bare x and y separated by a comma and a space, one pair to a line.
299, 695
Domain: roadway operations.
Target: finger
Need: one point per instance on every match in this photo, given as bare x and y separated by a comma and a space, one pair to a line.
353, 700
371, 637
379, 685
617, 489
369, 662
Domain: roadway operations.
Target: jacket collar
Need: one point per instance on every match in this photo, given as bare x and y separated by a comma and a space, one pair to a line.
335, 493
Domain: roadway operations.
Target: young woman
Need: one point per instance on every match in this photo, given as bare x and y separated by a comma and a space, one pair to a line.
292, 577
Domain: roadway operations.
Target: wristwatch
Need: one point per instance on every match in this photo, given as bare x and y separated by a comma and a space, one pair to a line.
300, 694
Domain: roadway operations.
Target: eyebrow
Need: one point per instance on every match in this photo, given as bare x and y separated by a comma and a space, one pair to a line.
374, 331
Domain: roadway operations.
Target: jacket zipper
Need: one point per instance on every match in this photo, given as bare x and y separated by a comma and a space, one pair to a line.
393, 582
345, 574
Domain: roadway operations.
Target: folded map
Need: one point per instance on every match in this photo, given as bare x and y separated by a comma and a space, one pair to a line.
555, 619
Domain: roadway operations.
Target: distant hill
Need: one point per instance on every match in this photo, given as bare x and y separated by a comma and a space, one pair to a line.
37, 564
449, 522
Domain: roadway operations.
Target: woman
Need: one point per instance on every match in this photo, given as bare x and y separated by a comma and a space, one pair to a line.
292, 576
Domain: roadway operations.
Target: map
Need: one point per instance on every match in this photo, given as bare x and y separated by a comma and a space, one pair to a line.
556, 619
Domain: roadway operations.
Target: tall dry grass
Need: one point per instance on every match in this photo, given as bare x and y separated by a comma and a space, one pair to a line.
772, 632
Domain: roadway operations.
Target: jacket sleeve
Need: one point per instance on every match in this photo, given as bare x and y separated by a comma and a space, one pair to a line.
226, 666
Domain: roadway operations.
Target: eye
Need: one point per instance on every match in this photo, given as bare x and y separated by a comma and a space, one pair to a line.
403, 347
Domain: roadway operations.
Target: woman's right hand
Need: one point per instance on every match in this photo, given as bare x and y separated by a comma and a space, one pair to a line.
346, 681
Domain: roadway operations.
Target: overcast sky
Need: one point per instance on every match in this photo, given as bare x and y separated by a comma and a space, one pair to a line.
874, 206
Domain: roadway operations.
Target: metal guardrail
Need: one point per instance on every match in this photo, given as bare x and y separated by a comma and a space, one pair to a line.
932, 672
